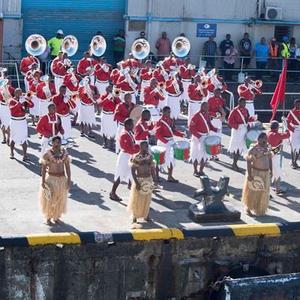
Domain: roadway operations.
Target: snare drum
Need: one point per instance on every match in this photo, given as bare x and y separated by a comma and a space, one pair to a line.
213, 145
182, 150
251, 137
153, 111
158, 153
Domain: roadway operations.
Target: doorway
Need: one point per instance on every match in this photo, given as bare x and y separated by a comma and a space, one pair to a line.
281, 31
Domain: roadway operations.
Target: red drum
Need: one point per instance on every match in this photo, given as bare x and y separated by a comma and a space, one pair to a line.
213, 145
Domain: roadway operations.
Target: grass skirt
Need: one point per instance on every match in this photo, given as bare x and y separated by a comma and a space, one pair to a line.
57, 204
257, 201
139, 202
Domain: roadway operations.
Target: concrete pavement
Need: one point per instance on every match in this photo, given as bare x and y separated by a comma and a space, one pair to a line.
89, 206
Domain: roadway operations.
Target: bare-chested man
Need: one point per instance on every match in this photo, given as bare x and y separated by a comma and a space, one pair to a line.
55, 184
256, 191
143, 173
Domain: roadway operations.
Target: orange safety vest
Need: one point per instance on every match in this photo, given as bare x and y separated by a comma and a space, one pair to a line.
273, 50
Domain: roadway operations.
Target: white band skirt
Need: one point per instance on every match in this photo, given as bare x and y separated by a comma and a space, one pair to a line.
87, 115
118, 134
66, 125
101, 87
250, 107
18, 131
35, 110
277, 169
169, 156
185, 85
237, 140
123, 170
198, 152
174, 103
193, 108
295, 139
217, 123
43, 106
108, 125
58, 81
4, 116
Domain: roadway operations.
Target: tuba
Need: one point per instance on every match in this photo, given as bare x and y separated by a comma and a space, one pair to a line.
69, 45
140, 48
98, 45
35, 45
181, 46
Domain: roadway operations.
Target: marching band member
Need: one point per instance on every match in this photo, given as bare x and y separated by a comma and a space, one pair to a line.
174, 90
45, 90
108, 102
293, 120
161, 76
59, 69
128, 148
216, 111
197, 91
216, 82
102, 73
6, 92
122, 113
248, 91
86, 65
130, 62
143, 127
186, 72
127, 85
275, 139
165, 131
200, 127
216, 106
238, 122
88, 96
146, 75
153, 94
64, 104
28, 64
114, 76
170, 63
18, 123
34, 111
49, 125
71, 81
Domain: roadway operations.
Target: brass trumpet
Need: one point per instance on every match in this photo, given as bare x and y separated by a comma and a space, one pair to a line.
256, 85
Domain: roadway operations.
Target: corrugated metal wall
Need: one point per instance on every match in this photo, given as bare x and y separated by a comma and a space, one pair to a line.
82, 18
10, 8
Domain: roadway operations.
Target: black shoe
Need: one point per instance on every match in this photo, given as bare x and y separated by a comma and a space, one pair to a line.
91, 136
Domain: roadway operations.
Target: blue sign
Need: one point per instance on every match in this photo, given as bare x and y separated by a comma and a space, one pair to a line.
206, 30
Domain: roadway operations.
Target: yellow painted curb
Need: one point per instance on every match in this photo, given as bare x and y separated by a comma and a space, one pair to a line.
53, 238
255, 229
156, 234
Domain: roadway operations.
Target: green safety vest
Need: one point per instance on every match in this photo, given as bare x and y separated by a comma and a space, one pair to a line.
285, 51
55, 45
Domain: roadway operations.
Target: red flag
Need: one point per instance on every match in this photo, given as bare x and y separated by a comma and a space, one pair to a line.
279, 93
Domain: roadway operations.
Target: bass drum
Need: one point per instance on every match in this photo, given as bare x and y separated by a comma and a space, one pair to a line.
136, 113
213, 145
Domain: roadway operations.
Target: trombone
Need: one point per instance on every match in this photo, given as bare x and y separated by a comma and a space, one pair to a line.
255, 85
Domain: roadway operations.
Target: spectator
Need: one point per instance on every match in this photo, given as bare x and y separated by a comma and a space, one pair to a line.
262, 54
284, 48
229, 61
119, 46
245, 50
273, 58
210, 52
55, 43
226, 44
292, 62
163, 46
